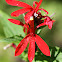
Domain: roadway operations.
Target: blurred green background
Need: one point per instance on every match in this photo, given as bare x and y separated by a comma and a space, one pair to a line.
10, 32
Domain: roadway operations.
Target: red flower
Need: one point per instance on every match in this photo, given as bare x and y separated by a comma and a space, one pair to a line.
31, 38
47, 21
26, 8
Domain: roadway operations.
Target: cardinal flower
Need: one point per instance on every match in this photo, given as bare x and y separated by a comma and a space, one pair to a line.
47, 21
31, 38
26, 8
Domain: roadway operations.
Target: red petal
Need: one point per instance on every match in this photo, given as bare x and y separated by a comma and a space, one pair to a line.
26, 26
22, 45
50, 24
28, 15
37, 7
31, 50
24, 30
20, 11
42, 24
34, 4
44, 10
17, 22
42, 45
18, 3
53, 20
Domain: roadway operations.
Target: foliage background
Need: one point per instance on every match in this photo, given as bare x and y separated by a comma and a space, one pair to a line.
13, 33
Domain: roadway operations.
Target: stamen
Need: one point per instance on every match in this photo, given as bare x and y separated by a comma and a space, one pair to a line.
52, 14
31, 18
35, 14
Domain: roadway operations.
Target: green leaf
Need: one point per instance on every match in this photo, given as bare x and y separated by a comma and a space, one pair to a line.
9, 28
12, 39
59, 55
56, 55
2, 35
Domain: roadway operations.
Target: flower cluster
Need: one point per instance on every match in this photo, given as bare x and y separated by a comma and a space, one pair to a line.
33, 20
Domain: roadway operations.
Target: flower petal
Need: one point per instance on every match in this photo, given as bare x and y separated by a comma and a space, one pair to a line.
28, 15
42, 24
26, 26
42, 45
17, 22
24, 30
34, 4
18, 3
44, 10
22, 45
37, 7
53, 20
31, 49
50, 24
20, 11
